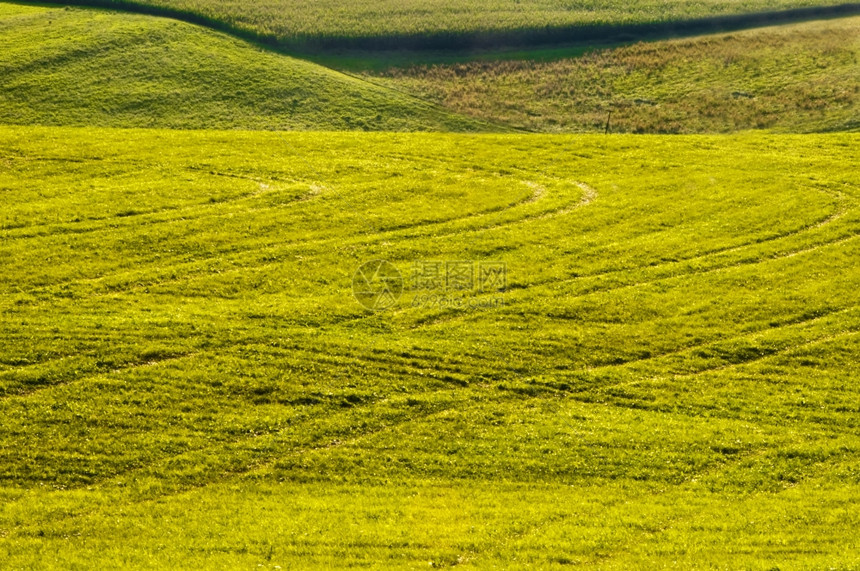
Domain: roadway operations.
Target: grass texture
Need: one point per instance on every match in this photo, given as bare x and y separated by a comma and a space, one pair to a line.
668, 378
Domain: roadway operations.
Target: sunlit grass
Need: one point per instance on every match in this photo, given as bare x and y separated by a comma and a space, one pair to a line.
797, 78
186, 379
97, 68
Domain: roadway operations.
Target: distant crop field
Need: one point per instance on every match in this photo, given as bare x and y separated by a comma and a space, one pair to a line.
442, 23
797, 78
321, 350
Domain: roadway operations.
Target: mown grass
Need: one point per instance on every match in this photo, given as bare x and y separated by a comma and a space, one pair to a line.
455, 24
799, 78
186, 379
96, 68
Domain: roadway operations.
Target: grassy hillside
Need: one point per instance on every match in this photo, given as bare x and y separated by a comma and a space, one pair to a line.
666, 376
396, 24
88, 67
796, 78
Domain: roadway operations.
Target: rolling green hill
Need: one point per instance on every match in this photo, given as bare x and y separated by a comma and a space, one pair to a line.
654, 364
397, 24
797, 78
164, 73
90, 67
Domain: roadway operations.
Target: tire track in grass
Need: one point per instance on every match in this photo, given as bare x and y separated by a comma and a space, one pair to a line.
454, 316
838, 213
834, 216
695, 273
155, 217
588, 196
409, 365
773, 355
177, 358
764, 331
586, 199
10, 395
333, 440
409, 416
257, 467
234, 257
223, 174
382, 235
431, 369
601, 389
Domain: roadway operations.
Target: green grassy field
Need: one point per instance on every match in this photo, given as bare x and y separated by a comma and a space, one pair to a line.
226, 345
440, 22
798, 78
94, 68
668, 378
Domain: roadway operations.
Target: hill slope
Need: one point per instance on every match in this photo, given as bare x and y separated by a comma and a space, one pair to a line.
669, 378
96, 68
798, 78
